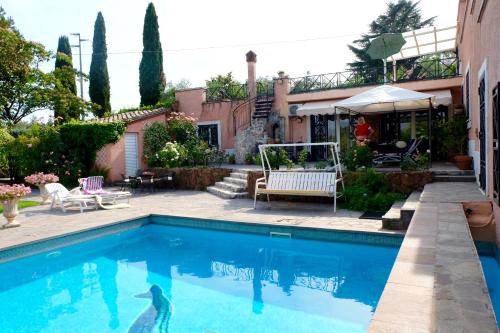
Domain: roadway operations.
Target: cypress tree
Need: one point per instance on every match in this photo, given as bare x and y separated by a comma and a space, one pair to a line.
98, 76
65, 73
151, 75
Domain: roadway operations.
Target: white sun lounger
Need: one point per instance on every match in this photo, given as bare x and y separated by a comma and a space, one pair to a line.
61, 196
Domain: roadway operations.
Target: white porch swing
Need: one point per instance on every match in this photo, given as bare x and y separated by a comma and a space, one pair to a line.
322, 183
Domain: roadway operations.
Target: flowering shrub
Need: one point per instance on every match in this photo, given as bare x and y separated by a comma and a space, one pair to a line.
357, 157
41, 178
9, 192
180, 127
171, 155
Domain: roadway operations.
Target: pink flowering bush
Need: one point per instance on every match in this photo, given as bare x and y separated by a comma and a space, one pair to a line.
9, 192
41, 178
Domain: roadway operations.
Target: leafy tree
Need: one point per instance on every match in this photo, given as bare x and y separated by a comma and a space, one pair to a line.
24, 88
225, 87
64, 58
151, 76
400, 16
98, 76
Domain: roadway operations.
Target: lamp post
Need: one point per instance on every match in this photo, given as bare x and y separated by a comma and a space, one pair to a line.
79, 46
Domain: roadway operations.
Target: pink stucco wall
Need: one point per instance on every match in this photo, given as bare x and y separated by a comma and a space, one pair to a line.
112, 156
477, 38
192, 102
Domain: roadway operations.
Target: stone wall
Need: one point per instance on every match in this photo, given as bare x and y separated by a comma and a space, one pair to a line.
197, 179
405, 182
248, 139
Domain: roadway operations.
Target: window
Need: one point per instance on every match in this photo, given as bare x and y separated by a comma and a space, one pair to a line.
467, 95
209, 133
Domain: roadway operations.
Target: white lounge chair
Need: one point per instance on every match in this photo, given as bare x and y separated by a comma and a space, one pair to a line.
61, 196
93, 185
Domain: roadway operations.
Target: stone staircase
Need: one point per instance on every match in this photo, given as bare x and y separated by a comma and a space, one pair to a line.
233, 187
262, 108
454, 176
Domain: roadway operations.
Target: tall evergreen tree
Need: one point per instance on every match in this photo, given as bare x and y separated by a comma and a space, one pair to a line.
66, 83
98, 76
400, 16
151, 77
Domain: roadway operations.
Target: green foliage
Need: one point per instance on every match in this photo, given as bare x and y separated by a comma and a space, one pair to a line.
181, 128
155, 137
249, 159
5, 139
223, 87
68, 151
100, 171
302, 158
231, 159
454, 135
357, 157
420, 161
369, 191
400, 16
151, 77
276, 158
216, 156
99, 90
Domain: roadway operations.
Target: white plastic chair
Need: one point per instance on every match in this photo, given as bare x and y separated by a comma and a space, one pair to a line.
61, 196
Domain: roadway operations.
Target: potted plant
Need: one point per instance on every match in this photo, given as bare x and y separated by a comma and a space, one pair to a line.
40, 179
455, 140
9, 197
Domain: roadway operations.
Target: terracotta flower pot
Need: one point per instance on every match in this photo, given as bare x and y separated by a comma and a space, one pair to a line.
10, 212
463, 162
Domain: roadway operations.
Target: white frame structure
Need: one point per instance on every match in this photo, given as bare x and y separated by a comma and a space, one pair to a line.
330, 190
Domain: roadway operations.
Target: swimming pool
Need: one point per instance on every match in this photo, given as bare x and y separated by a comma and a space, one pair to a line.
491, 269
171, 279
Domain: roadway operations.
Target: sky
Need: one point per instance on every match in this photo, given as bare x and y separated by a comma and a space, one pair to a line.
202, 39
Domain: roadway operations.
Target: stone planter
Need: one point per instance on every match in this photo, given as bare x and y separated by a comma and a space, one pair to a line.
10, 212
43, 193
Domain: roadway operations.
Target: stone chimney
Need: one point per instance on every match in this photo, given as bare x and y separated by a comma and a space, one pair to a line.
252, 78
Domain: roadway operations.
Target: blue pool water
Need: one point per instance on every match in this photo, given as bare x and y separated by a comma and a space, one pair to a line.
170, 279
491, 270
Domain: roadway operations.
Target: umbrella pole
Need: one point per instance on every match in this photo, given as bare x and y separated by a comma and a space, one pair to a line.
385, 70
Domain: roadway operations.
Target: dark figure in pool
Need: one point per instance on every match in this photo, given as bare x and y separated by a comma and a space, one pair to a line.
157, 315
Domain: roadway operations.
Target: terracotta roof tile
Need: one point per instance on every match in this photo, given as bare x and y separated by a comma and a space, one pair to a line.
131, 116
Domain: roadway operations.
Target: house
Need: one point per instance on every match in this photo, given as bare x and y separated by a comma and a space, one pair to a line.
477, 41
125, 157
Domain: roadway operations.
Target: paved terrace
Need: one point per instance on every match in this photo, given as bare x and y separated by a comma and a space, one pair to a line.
437, 284
39, 223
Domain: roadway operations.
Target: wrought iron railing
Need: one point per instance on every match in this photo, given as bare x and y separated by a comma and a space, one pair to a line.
424, 68
265, 89
231, 92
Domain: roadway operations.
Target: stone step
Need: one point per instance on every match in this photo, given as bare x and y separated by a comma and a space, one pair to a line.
409, 207
451, 178
231, 187
240, 175
237, 181
453, 173
226, 194
392, 219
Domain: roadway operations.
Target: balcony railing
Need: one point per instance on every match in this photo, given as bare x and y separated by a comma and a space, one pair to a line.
236, 92
425, 68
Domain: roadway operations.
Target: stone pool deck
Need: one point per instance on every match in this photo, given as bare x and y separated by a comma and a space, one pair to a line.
39, 223
437, 284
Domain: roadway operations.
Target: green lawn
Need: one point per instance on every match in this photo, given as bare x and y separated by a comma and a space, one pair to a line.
23, 204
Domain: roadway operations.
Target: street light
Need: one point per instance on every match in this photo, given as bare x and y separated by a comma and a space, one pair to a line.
79, 46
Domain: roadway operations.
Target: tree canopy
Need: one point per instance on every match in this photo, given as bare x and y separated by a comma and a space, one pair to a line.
400, 16
151, 76
24, 88
99, 89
